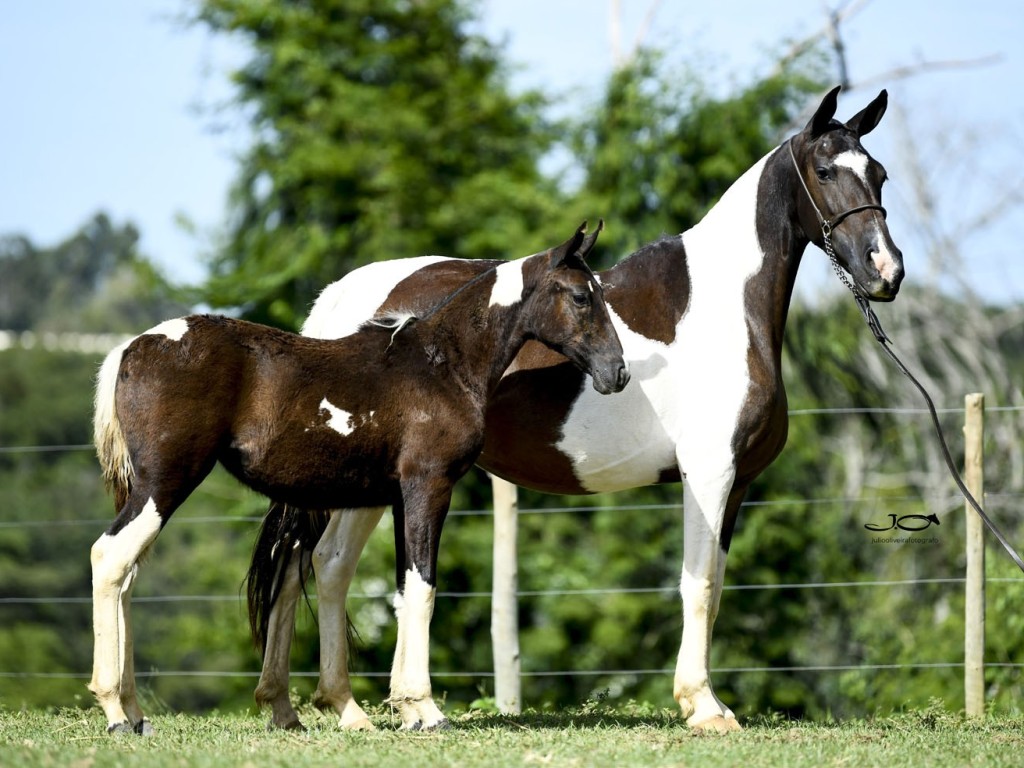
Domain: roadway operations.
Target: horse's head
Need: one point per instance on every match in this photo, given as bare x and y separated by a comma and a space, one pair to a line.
840, 205
570, 314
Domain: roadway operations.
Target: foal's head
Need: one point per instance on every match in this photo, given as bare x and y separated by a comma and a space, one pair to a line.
844, 195
570, 314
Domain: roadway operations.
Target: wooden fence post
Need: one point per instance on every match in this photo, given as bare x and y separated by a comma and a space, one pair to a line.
504, 601
974, 594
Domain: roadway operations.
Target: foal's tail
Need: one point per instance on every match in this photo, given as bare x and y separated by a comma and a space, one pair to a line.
285, 532
108, 436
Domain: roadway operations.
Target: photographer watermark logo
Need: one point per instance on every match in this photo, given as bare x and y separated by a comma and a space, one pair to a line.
911, 523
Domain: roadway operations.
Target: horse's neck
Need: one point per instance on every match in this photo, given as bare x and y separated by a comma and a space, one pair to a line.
746, 250
479, 331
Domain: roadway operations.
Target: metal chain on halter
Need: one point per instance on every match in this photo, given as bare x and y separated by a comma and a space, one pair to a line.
876, 328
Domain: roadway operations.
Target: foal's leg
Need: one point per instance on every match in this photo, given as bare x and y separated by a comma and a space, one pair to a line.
115, 561
272, 688
334, 562
417, 534
705, 499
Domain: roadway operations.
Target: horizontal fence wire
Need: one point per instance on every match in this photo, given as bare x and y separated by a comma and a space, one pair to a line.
152, 674
901, 411
165, 599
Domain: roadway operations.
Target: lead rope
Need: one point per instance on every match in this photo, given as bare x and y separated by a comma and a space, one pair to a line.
876, 329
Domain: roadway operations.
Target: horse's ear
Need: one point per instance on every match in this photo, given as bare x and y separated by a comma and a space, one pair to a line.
569, 247
588, 242
818, 124
865, 121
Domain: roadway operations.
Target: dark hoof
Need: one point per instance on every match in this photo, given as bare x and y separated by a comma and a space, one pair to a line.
291, 725
142, 728
442, 725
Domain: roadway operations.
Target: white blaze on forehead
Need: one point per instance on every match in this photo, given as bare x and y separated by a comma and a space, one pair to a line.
855, 161
172, 329
508, 284
340, 420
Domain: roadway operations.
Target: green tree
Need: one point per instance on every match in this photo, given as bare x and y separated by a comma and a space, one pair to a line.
382, 129
658, 151
96, 280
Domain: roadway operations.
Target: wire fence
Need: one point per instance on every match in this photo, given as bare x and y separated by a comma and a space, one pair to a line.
949, 499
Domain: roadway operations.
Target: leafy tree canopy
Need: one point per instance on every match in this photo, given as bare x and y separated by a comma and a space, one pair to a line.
382, 129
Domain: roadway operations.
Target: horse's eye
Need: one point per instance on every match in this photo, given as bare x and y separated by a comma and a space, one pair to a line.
822, 173
580, 299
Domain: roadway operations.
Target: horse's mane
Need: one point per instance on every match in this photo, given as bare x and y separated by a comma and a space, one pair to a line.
393, 320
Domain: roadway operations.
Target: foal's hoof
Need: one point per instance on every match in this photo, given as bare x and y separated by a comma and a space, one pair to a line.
142, 728
290, 725
717, 724
440, 725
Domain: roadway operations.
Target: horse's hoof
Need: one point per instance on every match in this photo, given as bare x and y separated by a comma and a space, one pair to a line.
122, 727
440, 725
417, 726
144, 727
717, 724
290, 725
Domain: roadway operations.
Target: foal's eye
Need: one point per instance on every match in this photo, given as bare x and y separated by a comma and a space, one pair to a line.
580, 299
822, 173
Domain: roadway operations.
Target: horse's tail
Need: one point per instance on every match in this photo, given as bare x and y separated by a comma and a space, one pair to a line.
108, 435
285, 532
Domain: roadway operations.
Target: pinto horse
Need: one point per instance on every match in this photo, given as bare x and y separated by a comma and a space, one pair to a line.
701, 318
390, 415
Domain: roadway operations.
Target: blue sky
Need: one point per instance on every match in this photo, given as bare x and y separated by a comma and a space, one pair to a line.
110, 105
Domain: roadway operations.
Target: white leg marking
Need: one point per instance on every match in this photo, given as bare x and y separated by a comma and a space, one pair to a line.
704, 499
114, 565
508, 284
410, 676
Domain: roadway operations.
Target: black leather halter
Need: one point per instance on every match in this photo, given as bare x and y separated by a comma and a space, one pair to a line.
827, 225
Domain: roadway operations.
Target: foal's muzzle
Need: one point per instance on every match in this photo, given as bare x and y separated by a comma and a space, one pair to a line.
615, 381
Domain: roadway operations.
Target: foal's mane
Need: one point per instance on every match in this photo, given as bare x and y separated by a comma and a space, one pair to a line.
397, 319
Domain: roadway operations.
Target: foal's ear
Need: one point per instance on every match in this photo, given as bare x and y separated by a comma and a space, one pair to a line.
818, 124
588, 242
865, 121
561, 252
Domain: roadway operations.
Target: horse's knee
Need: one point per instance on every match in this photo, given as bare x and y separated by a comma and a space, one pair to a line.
333, 567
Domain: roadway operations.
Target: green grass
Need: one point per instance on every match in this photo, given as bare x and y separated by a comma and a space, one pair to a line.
588, 736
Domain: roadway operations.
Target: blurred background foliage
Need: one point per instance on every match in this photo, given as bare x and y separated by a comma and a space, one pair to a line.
382, 129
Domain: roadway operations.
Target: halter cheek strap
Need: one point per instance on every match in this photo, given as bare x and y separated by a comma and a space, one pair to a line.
827, 225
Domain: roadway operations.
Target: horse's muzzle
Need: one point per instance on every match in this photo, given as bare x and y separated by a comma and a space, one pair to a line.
615, 382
